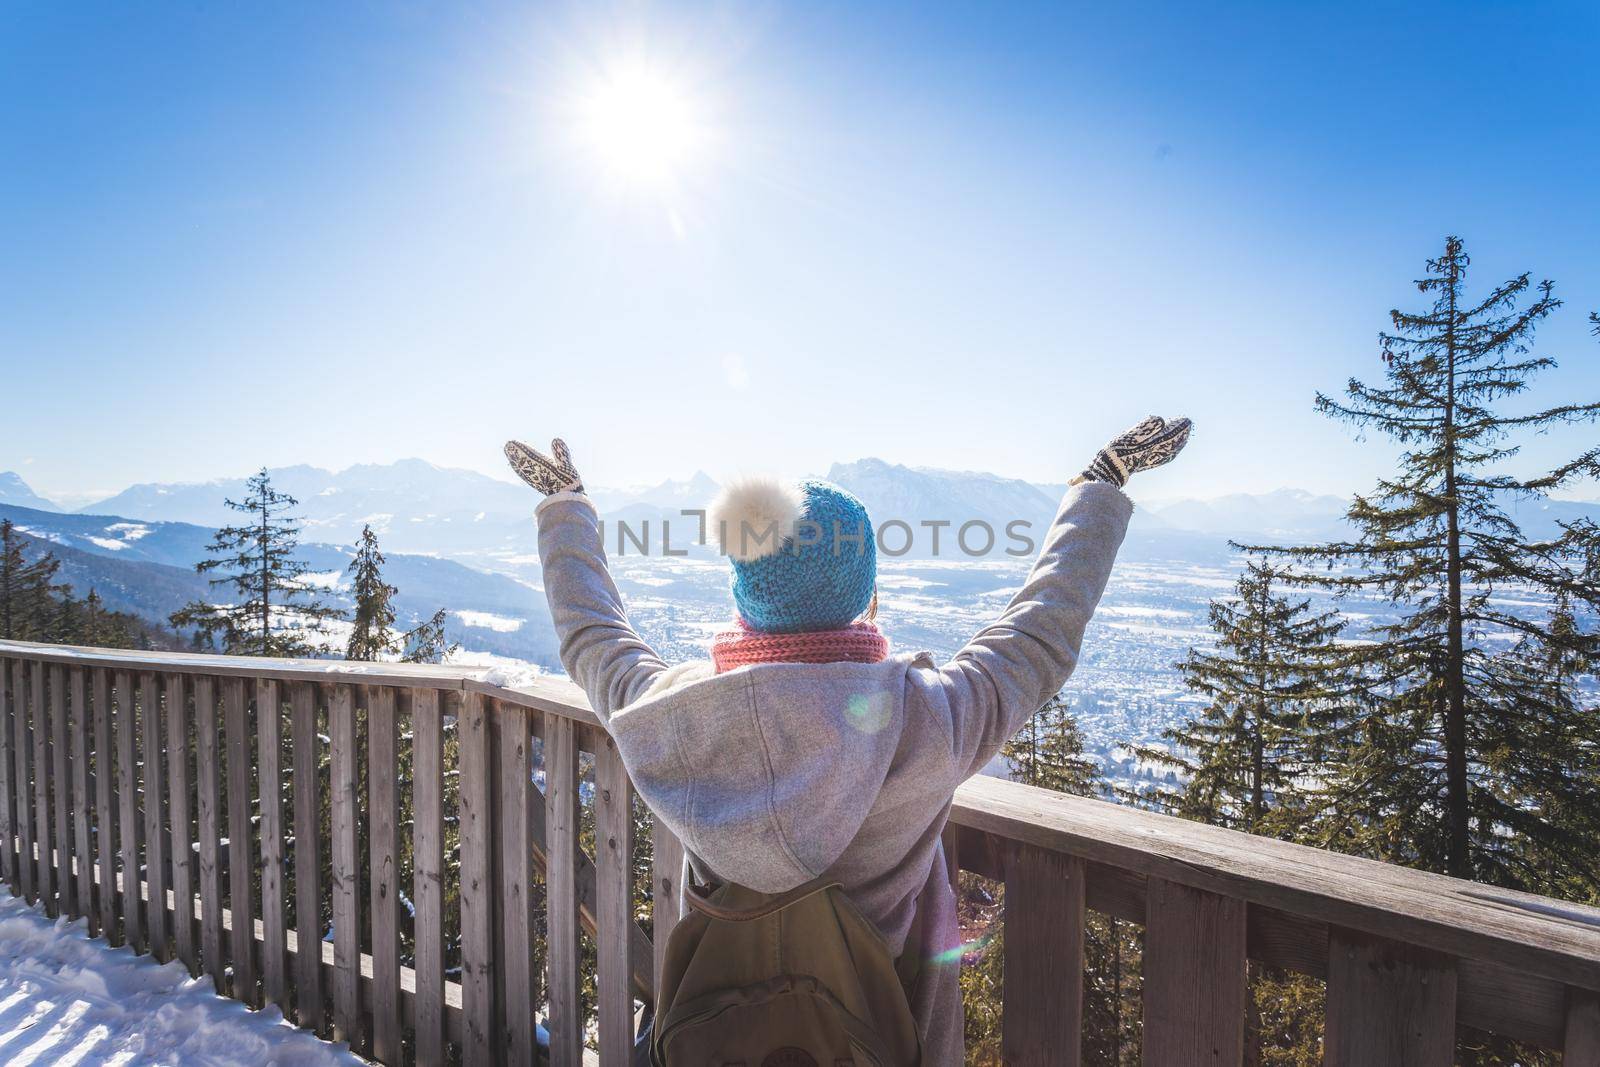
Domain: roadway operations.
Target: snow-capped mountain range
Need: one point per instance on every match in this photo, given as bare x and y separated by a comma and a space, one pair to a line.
417, 507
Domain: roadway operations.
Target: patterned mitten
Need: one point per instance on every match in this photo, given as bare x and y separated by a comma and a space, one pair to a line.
547, 475
1149, 444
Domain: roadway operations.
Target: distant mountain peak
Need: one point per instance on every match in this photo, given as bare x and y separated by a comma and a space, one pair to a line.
13, 490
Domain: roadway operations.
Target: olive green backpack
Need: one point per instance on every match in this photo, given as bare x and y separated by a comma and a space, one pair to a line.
799, 979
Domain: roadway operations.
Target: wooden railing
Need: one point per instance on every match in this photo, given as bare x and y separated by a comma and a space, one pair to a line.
146, 793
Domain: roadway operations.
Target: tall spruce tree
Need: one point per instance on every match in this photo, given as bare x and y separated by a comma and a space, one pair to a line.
372, 636
1275, 681
274, 609
1423, 778
27, 606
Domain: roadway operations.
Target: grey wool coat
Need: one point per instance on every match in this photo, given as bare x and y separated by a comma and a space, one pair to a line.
775, 774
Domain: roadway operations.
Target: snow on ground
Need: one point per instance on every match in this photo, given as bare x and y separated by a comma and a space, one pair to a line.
66, 1000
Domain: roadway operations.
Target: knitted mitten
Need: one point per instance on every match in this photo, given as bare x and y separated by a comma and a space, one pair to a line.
547, 475
1149, 444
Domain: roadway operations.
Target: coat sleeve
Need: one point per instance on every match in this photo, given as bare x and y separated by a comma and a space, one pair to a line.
1018, 662
599, 649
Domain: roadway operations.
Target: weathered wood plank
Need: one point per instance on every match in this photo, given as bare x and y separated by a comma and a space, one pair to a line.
61, 789
82, 813
208, 804
105, 807
131, 818
1457, 917
666, 861
269, 776
1388, 1004
8, 797
44, 828
1042, 1022
477, 889
1582, 1045
1194, 976
427, 810
1493, 997
561, 922
181, 813
152, 730
516, 876
23, 778
383, 846
307, 853
241, 846
344, 783
614, 907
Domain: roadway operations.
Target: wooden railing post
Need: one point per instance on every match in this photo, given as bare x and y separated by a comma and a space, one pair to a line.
241, 843
1194, 976
561, 897
1388, 1003
269, 775
477, 886
131, 820
1582, 1039
427, 807
179, 784
208, 803
346, 870
613, 831
308, 793
82, 813
1042, 1021
514, 814
383, 846
105, 807
44, 828
60, 783
8, 808
155, 799
666, 873
23, 778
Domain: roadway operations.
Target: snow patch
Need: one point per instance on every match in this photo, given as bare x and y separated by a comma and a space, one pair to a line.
106, 543
484, 620
129, 531
503, 671
65, 999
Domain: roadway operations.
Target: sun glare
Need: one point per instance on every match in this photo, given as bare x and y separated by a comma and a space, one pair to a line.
643, 127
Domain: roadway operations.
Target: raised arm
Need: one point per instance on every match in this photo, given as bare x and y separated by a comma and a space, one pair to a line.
599, 649
1022, 659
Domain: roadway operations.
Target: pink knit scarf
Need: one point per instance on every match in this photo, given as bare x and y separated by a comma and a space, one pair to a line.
741, 646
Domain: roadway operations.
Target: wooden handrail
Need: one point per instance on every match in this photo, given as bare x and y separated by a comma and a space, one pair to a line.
1408, 956
1550, 938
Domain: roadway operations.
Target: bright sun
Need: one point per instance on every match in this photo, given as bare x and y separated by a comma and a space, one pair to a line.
642, 126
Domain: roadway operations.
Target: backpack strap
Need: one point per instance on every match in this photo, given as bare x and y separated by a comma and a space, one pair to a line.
765, 904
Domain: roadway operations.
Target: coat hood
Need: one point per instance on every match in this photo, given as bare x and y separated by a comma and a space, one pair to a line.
766, 773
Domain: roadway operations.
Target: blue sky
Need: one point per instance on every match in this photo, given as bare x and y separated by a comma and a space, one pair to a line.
975, 236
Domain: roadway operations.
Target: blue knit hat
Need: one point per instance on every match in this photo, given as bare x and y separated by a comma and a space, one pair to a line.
804, 556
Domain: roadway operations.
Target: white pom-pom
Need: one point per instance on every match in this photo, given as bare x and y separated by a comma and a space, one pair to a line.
754, 517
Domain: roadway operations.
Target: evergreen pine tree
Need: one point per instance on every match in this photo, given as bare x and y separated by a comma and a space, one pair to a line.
427, 643
275, 609
1273, 684
1048, 753
1434, 539
371, 638
26, 604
